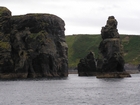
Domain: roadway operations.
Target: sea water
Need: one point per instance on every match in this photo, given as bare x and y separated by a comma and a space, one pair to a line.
73, 90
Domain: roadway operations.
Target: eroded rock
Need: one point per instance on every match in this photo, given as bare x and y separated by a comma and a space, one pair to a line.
111, 52
87, 66
110, 61
32, 45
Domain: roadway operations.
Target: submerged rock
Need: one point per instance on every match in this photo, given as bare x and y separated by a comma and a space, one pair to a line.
32, 45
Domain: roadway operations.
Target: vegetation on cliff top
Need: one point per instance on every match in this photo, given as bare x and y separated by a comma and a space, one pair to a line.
81, 45
2, 9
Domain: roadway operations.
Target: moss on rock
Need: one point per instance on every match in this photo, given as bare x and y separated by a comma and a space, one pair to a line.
4, 45
32, 45
5, 11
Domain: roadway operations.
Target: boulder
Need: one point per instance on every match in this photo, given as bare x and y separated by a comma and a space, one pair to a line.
32, 45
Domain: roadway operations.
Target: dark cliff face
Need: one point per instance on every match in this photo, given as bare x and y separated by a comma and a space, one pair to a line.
110, 48
33, 45
87, 66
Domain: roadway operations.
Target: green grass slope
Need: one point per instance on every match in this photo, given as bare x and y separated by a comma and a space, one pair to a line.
81, 45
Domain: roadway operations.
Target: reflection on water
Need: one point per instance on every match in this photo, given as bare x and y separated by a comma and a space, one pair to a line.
72, 90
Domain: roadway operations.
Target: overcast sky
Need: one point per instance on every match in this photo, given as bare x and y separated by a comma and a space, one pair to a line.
83, 16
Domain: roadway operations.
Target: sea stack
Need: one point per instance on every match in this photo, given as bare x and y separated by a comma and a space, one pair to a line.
32, 45
87, 65
110, 61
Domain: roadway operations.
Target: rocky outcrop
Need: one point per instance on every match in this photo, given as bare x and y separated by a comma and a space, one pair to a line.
111, 51
110, 62
110, 48
87, 66
113, 75
32, 45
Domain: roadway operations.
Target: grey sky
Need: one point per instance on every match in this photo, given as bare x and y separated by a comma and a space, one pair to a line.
83, 16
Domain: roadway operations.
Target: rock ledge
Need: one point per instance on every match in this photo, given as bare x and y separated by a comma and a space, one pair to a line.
113, 75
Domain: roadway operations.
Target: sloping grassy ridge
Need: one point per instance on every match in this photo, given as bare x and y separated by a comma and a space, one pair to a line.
81, 45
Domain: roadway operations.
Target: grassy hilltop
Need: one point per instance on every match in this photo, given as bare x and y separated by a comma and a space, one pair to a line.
81, 45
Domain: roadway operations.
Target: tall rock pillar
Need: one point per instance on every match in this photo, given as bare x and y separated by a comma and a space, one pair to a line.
110, 48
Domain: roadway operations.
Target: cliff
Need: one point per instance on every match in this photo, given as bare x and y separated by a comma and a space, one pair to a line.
32, 45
